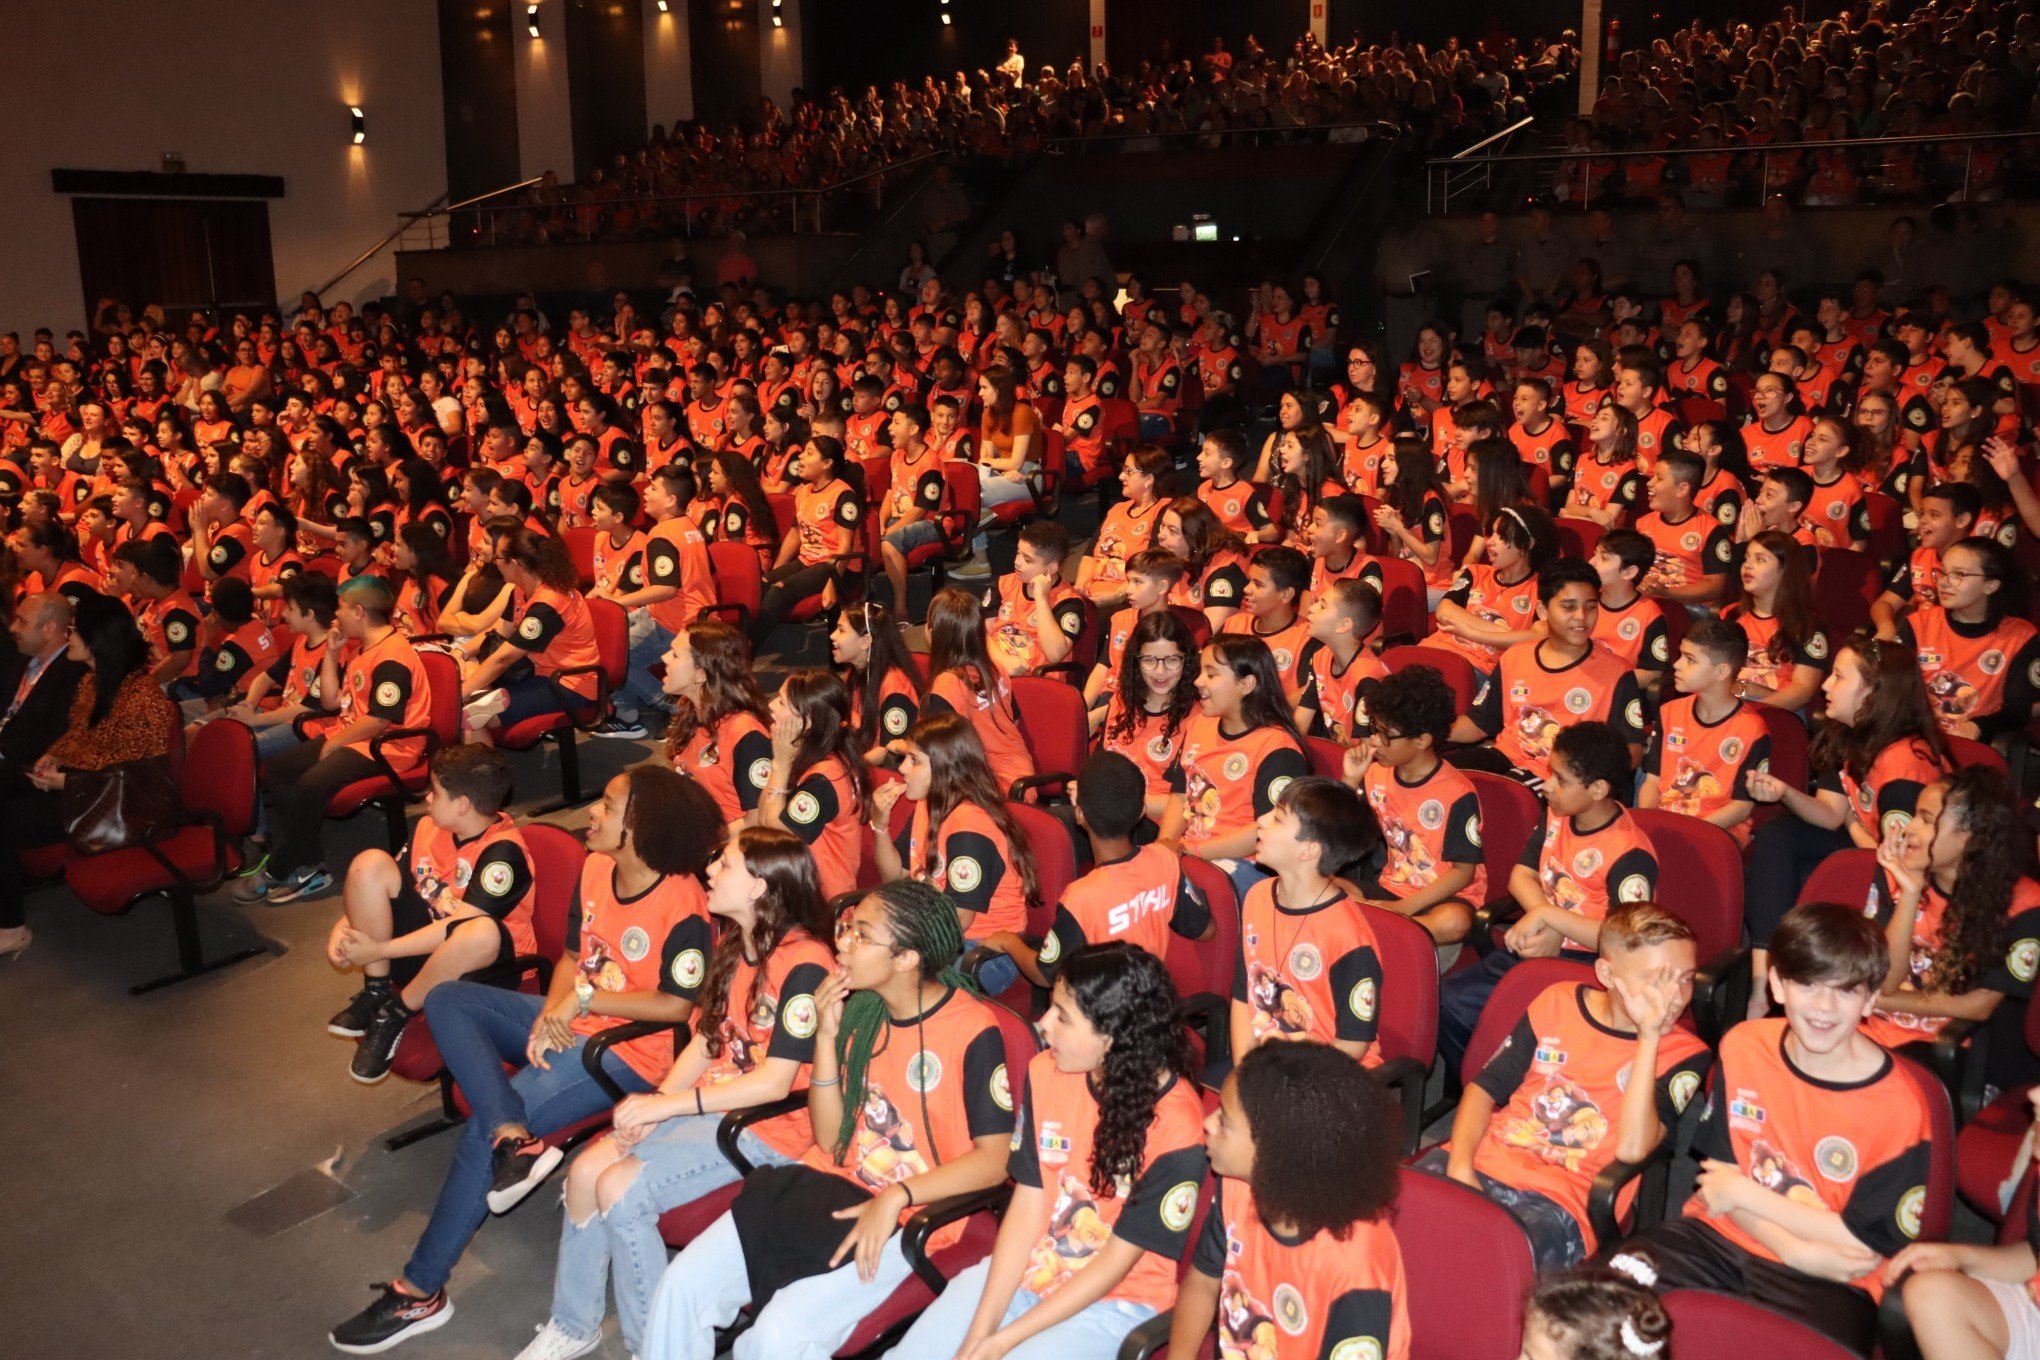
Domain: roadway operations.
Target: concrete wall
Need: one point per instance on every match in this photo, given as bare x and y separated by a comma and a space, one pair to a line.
669, 74
792, 264
236, 86
545, 129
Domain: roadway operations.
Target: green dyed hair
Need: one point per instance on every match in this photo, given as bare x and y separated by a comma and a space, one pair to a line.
922, 918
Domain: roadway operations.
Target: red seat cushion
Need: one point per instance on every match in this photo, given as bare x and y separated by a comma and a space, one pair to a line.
1985, 1148
678, 1227
417, 1057
110, 883
979, 1231
531, 731
45, 861
1006, 512
347, 801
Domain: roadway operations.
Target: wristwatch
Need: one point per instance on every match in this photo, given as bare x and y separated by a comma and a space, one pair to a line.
584, 992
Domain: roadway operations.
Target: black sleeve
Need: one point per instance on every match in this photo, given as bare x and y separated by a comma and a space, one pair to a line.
1486, 713
1356, 987
793, 1033
1675, 1088
1758, 757
1164, 1200
810, 806
928, 491
1885, 1202
1711, 1140
1023, 1163
1069, 616
987, 1100
1625, 714
846, 511
1209, 1258
229, 664
1277, 769
896, 715
1361, 1322
1461, 589
662, 562
973, 868
501, 879
1063, 938
1510, 1064
1898, 795
537, 629
1656, 653
389, 691
180, 630
1192, 916
1226, 587
227, 553
1462, 832
683, 962
753, 768
383, 523
1533, 849
1633, 877
1718, 554
2022, 679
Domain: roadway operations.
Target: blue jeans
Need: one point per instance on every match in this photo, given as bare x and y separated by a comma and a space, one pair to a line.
479, 1028
274, 740
1154, 425
640, 691
997, 974
1094, 1333
680, 1163
1461, 998
709, 1283
1556, 1242
1244, 874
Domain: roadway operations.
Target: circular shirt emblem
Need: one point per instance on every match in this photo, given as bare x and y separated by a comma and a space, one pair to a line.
2024, 959
1221, 589
1305, 963
804, 808
1363, 999
924, 1072
1357, 1348
1161, 750
1179, 1206
1431, 815
224, 662
1632, 713
1817, 646
761, 772
1835, 1158
387, 694
1731, 748
1691, 542
1284, 658
1628, 629
1235, 766
1684, 1085
801, 1017
1002, 1088
733, 523
1578, 701
1051, 947
688, 969
1275, 790
848, 510
498, 878
663, 566
635, 944
1635, 888
1290, 1313
1586, 862
1909, 1209
1991, 662
1473, 830
177, 632
894, 722
218, 555
965, 874
1073, 624
530, 629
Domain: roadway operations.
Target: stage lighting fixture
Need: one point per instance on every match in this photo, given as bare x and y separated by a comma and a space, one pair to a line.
531, 19
360, 124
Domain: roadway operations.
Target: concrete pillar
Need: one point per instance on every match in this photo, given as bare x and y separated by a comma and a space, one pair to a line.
780, 68
669, 76
545, 119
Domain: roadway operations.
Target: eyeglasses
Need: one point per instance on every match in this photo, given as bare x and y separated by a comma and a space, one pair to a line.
1163, 663
848, 929
1943, 574
1384, 736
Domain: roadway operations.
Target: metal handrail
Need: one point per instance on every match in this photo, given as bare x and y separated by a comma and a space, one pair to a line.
436, 209
1838, 144
1508, 131
405, 221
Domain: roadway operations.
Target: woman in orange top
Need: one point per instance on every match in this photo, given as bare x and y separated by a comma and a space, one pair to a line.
963, 839
828, 524
1011, 444
555, 634
819, 787
1108, 1164
718, 735
963, 678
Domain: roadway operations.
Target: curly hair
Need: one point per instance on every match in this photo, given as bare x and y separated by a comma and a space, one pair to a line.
1973, 930
674, 825
1204, 536
1587, 1311
1327, 1149
728, 684
958, 773
1164, 625
792, 902
1125, 994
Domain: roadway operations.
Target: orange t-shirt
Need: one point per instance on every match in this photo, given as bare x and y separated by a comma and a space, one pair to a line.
771, 1014
1427, 825
1702, 767
972, 861
1228, 781
823, 810
658, 941
997, 723
732, 760
1310, 972
491, 873
1139, 899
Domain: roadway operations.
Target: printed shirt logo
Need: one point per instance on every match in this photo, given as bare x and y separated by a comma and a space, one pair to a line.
924, 1072
804, 808
964, 874
497, 878
1835, 1158
1305, 963
801, 1017
387, 694
1179, 1206
688, 969
635, 944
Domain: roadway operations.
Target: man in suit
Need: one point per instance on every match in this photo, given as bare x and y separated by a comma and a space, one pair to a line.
36, 687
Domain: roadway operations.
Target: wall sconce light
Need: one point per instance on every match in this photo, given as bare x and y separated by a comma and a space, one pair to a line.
665, 7
531, 19
360, 123
945, 13
778, 19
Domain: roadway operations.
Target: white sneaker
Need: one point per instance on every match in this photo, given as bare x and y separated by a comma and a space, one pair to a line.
483, 709
553, 1344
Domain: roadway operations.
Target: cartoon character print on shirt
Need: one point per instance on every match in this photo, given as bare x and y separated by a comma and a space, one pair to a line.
1202, 800
1692, 790
1565, 1125
1410, 862
1537, 728
1947, 690
883, 1149
745, 1051
1770, 665
1557, 879
1076, 1230
1280, 1010
1773, 1170
1246, 1326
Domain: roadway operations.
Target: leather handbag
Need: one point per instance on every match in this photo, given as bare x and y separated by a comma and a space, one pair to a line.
117, 807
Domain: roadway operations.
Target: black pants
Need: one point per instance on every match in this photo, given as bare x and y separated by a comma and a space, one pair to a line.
786, 587
1687, 1254
298, 784
1783, 855
29, 817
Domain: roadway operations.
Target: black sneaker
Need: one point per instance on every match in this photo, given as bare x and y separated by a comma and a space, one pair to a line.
394, 1317
378, 1046
352, 1020
520, 1164
631, 730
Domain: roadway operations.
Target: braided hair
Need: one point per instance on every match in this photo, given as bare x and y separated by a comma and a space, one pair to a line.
922, 919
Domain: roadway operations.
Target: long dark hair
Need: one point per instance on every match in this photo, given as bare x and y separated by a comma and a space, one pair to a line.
1327, 1150
1416, 479
1164, 625
740, 476
1895, 710
1300, 494
956, 642
959, 772
1204, 534
728, 684
1126, 995
1246, 655
116, 644
792, 901
1998, 564
1973, 928
921, 918
822, 702
889, 656
1792, 602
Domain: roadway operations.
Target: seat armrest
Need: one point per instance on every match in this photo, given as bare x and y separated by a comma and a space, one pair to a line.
739, 615
1032, 782
597, 706
1406, 1077
1616, 1176
1959, 1055
163, 831
736, 1121
924, 1223
1147, 1339
1721, 994
378, 754
598, 1047
1487, 919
